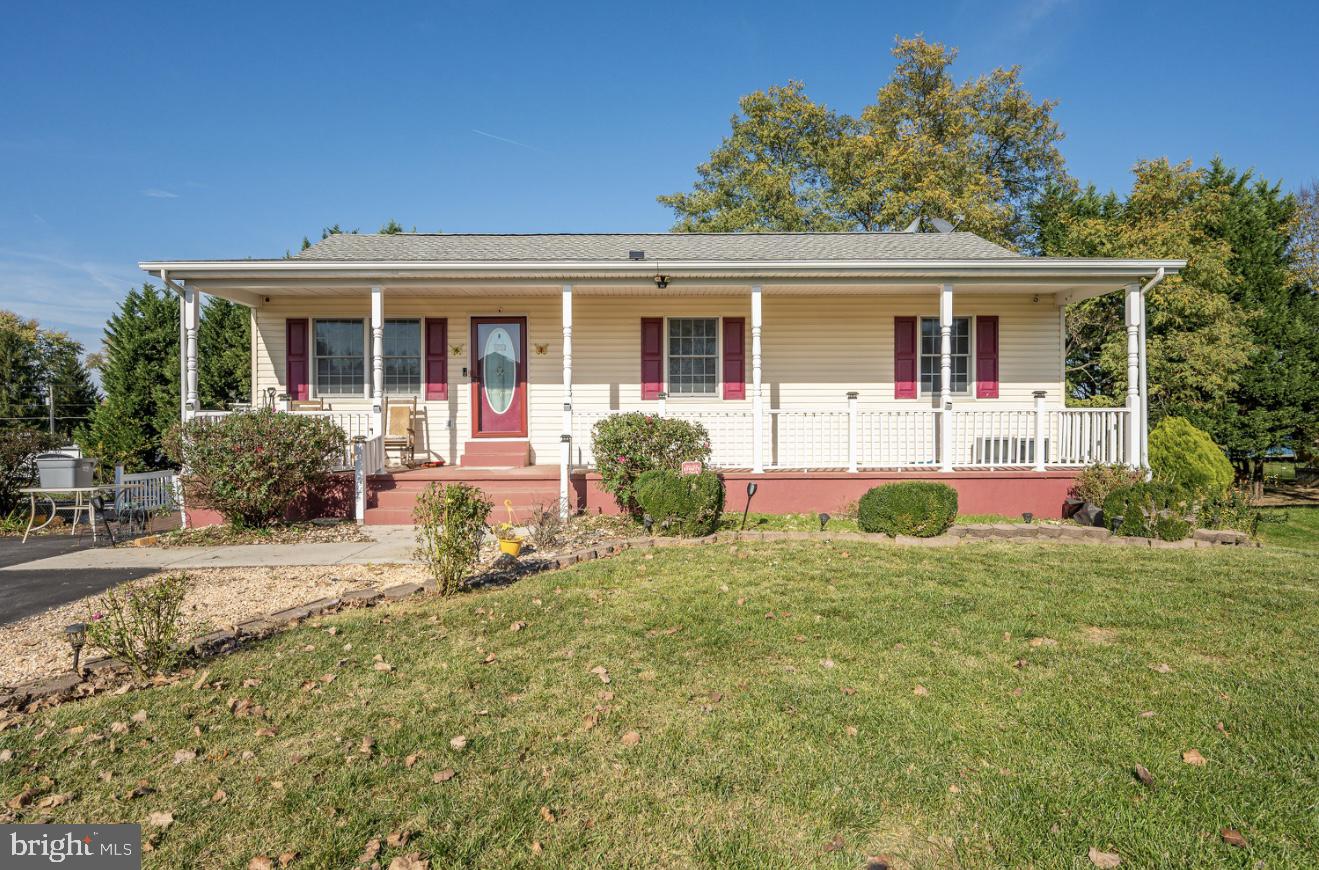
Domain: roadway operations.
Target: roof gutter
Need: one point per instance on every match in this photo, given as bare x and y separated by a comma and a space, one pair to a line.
1007, 267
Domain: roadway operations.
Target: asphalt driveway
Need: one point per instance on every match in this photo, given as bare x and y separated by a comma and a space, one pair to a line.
27, 592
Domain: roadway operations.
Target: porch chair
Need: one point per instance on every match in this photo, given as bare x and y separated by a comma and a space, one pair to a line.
400, 429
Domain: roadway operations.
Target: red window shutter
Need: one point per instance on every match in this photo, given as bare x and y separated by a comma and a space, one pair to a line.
295, 359
904, 357
437, 358
987, 357
735, 356
652, 357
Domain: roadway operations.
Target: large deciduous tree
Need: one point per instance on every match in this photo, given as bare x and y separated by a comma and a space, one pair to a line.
20, 372
975, 153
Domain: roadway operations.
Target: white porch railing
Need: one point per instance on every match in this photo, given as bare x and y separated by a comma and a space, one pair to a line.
149, 490
896, 439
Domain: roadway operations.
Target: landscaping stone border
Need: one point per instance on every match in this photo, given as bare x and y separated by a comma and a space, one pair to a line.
106, 671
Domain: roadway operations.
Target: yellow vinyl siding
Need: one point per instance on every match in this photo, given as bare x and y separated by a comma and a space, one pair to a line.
814, 350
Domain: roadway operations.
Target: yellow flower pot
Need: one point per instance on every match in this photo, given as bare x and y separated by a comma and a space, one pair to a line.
512, 546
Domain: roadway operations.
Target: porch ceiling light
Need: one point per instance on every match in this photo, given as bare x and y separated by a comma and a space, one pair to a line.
661, 281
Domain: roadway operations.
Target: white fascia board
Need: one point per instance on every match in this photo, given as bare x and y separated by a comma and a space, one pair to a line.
1024, 267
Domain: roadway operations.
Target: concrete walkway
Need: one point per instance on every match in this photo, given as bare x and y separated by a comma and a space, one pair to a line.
392, 544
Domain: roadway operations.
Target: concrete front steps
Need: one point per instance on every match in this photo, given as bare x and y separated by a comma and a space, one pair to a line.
392, 498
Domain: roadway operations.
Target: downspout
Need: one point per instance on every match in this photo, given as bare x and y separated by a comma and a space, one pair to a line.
1144, 379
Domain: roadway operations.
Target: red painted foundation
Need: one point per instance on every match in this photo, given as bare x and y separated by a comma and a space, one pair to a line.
391, 497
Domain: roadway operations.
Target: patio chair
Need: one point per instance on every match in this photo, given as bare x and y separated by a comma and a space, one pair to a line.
128, 516
400, 428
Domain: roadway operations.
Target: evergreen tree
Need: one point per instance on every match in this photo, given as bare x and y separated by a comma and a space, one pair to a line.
224, 354
65, 376
140, 376
20, 373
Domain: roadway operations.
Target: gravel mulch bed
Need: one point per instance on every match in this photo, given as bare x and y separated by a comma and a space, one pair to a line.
294, 533
218, 598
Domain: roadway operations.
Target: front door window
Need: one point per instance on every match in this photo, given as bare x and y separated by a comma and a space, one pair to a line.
499, 376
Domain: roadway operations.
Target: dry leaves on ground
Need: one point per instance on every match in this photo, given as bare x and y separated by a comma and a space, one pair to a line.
1193, 756
444, 775
459, 743
1233, 837
160, 819
631, 738
1104, 859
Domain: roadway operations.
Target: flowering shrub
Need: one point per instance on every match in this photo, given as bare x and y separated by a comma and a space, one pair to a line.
450, 520
628, 445
252, 467
141, 625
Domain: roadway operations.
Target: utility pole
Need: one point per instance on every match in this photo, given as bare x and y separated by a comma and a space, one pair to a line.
50, 400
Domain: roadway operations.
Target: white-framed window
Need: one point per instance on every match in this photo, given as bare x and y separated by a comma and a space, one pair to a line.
693, 356
402, 357
930, 356
339, 351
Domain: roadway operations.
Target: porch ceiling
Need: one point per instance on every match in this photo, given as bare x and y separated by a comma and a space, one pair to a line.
251, 282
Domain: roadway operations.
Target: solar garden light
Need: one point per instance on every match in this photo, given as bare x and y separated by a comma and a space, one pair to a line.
76, 635
1028, 517
751, 491
648, 523
1115, 523
824, 521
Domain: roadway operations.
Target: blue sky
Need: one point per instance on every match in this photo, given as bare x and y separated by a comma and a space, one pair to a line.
134, 131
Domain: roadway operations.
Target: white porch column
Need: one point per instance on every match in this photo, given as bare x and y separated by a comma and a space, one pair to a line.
1134, 415
191, 320
757, 403
1144, 391
1040, 431
565, 445
945, 377
378, 360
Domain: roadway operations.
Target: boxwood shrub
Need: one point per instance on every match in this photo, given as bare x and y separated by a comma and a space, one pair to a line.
682, 504
919, 508
1182, 455
1149, 510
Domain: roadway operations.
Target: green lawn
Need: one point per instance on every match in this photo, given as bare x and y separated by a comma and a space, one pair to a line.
797, 704
1300, 530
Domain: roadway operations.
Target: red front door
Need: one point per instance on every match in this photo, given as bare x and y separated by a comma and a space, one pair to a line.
499, 377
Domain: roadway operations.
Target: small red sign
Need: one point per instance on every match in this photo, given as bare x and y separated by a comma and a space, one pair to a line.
693, 467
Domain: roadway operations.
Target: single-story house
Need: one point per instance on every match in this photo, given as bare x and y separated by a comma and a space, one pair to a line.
820, 363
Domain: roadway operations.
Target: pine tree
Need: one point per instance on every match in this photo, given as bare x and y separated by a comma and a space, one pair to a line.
65, 376
140, 376
224, 354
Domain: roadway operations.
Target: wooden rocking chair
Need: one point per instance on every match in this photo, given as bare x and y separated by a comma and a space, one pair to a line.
400, 428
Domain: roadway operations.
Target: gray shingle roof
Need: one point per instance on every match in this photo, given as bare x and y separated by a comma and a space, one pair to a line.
556, 247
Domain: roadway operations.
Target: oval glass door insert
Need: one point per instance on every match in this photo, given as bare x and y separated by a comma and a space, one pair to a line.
499, 370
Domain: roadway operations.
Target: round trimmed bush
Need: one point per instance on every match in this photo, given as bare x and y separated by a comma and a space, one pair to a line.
922, 509
682, 504
1187, 457
1149, 510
